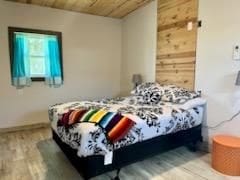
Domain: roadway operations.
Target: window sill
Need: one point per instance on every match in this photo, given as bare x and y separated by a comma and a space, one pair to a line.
38, 79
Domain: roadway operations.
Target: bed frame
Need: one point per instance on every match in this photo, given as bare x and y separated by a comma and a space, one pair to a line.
94, 165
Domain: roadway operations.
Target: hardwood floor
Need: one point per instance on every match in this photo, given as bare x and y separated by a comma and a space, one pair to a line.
32, 154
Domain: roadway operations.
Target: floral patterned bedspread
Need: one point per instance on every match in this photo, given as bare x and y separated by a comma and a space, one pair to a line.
151, 121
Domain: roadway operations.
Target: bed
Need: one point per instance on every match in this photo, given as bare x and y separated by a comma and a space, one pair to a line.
159, 125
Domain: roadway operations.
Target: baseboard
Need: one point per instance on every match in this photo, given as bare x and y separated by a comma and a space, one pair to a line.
23, 128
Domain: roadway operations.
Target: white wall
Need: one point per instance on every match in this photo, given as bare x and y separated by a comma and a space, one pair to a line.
216, 71
91, 58
94, 46
139, 45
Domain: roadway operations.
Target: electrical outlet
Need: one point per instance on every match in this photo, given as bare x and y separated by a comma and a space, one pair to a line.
236, 52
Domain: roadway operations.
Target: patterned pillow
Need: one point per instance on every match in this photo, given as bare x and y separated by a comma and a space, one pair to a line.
151, 92
152, 97
154, 93
146, 88
177, 94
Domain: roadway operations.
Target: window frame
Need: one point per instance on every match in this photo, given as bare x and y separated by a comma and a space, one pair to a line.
12, 30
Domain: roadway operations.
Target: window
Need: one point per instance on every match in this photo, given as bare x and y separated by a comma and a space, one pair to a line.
35, 55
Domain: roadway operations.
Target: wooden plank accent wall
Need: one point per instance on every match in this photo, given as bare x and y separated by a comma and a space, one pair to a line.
176, 46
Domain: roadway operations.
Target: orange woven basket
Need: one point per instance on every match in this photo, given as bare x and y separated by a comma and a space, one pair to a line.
226, 155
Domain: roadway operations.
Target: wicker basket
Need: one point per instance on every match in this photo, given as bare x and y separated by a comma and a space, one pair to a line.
226, 155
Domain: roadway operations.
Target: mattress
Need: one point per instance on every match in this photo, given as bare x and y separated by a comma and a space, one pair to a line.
151, 121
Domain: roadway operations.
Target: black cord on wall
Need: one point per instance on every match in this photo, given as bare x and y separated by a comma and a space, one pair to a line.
223, 122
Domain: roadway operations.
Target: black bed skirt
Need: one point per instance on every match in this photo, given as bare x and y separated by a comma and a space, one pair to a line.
94, 165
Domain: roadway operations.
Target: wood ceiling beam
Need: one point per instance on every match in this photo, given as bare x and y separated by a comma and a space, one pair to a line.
108, 8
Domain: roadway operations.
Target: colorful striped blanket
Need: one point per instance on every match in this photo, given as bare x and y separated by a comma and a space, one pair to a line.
115, 125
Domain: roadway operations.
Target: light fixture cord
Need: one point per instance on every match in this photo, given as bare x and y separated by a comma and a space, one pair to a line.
223, 122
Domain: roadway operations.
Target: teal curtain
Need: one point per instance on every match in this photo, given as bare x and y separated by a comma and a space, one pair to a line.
53, 67
20, 65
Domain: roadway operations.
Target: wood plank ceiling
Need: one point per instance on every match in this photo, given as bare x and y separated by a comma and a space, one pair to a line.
176, 52
108, 8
